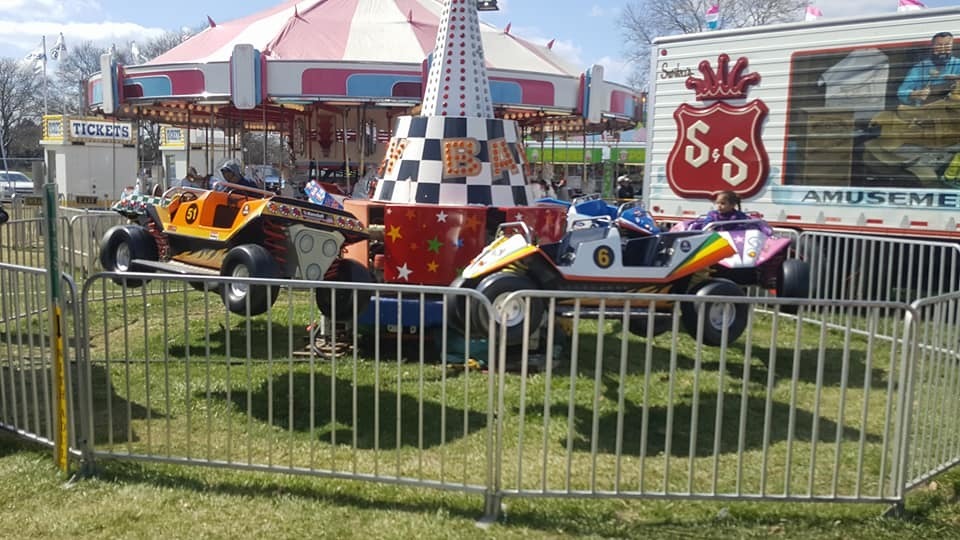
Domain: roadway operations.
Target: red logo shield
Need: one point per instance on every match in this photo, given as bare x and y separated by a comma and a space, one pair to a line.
718, 148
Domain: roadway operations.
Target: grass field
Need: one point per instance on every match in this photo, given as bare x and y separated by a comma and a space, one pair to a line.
141, 500
175, 378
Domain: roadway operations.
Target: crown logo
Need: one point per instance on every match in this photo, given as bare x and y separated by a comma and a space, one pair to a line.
722, 83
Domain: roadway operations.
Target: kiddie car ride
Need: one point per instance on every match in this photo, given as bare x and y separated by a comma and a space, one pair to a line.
761, 256
596, 255
240, 232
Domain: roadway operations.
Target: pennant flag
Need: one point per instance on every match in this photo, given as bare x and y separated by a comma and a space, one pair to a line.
909, 5
713, 17
59, 48
813, 13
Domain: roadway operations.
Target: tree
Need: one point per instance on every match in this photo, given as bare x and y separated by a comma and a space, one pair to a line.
644, 20
20, 94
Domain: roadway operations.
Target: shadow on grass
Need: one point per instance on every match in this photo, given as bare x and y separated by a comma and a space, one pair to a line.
807, 369
28, 394
262, 335
112, 412
683, 429
376, 415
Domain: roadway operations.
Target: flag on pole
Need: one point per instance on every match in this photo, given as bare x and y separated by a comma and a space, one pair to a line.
135, 53
35, 57
59, 48
909, 5
713, 17
813, 13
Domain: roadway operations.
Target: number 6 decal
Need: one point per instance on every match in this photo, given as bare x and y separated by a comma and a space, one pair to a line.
603, 257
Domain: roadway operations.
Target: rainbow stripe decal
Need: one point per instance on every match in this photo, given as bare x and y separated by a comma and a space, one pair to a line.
713, 250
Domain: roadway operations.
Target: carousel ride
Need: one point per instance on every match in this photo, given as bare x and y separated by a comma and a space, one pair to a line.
454, 168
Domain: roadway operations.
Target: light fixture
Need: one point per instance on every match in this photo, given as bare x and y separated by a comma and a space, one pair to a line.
487, 5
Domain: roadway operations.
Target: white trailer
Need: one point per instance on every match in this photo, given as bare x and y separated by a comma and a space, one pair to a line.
813, 124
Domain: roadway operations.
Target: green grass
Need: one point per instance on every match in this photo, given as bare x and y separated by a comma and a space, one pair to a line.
141, 500
174, 377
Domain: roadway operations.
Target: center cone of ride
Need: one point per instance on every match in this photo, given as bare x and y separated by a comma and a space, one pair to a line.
455, 152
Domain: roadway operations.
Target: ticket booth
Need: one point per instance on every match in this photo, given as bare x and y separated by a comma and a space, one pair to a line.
89, 157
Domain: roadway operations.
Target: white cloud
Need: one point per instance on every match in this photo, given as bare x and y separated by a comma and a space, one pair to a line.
615, 70
56, 10
16, 38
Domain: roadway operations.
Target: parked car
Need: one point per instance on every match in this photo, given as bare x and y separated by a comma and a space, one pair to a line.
15, 183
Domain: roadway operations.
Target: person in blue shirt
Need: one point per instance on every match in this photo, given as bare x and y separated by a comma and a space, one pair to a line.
934, 76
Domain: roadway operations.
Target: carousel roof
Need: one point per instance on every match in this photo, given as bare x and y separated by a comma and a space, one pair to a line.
393, 31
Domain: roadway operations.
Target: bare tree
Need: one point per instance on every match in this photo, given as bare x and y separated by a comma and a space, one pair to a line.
644, 20
20, 91
155, 47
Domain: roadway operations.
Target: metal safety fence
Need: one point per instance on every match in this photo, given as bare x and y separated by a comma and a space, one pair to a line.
594, 395
615, 395
27, 382
79, 231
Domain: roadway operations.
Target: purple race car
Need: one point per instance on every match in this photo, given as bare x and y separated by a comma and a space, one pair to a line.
761, 258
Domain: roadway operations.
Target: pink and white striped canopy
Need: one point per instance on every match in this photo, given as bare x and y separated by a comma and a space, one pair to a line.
381, 31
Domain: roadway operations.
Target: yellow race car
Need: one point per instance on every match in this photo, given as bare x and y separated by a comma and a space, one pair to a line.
241, 232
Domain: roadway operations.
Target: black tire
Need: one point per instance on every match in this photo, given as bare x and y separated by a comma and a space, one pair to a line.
248, 260
348, 271
122, 244
713, 312
496, 287
457, 305
793, 281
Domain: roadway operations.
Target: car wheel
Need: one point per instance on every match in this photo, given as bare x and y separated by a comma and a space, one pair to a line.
793, 281
713, 312
348, 271
496, 287
121, 245
248, 260
457, 303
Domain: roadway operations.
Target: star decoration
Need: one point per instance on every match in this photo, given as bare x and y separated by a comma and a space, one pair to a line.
472, 223
442, 217
394, 233
403, 272
518, 217
458, 243
432, 266
434, 245
411, 214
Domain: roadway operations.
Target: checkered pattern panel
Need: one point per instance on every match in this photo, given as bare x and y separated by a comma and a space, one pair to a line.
416, 176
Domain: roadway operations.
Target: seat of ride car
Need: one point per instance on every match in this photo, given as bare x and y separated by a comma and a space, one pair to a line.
567, 250
641, 251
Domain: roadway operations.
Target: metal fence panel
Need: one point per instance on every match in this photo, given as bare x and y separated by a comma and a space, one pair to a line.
27, 388
934, 393
883, 269
177, 377
792, 410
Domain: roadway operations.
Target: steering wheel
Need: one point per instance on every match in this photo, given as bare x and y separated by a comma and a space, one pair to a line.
188, 196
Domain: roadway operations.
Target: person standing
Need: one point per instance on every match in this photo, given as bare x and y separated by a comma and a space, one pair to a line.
625, 188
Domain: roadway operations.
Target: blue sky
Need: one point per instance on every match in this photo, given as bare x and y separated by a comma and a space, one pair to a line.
586, 31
